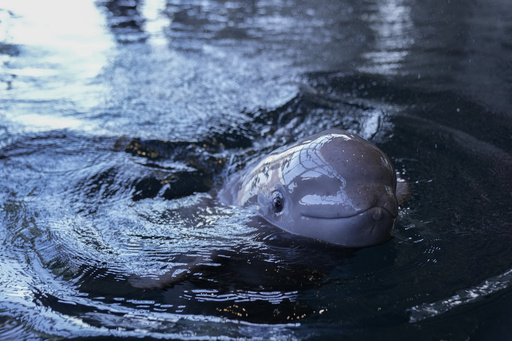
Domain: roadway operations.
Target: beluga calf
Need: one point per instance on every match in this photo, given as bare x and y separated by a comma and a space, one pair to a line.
333, 186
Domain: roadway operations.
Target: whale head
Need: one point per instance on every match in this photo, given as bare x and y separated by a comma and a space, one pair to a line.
334, 186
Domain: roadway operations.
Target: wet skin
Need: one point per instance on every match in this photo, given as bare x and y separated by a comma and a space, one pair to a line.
333, 186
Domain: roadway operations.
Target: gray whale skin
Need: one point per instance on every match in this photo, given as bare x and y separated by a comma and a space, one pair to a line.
333, 186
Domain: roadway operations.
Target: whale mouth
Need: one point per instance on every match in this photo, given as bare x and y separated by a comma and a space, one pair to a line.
335, 217
365, 228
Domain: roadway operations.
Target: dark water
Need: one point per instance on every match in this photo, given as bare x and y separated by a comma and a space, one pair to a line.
119, 121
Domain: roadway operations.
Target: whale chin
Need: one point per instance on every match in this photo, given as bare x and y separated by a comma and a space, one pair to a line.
370, 227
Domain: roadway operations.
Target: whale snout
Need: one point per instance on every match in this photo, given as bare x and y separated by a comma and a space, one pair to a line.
370, 227
358, 215
382, 222
316, 199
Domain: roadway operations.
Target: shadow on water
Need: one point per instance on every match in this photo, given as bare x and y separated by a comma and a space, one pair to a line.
110, 222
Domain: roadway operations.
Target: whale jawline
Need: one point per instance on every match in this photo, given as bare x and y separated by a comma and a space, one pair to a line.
311, 216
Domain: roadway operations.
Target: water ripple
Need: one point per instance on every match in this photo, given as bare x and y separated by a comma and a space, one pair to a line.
488, 287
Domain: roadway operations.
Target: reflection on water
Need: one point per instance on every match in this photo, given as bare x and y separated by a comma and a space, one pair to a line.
120, 120
156, 22
393, 30
478, 293
57, 63
78, 35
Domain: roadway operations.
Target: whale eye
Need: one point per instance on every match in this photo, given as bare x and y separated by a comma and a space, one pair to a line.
277, 201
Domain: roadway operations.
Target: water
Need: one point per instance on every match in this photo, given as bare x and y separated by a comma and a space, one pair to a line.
120, 121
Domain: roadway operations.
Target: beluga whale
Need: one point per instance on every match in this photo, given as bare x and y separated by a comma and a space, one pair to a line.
334, 186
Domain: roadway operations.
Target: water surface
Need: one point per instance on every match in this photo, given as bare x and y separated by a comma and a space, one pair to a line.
119, 121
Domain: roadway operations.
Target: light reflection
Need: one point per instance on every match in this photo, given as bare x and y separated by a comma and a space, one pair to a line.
67, 30
325, 200
462, 297
372, 123
392, 26
63, 46
47, 121
274, 297
308, 163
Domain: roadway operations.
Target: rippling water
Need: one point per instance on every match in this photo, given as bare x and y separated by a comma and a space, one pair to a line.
119, 121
